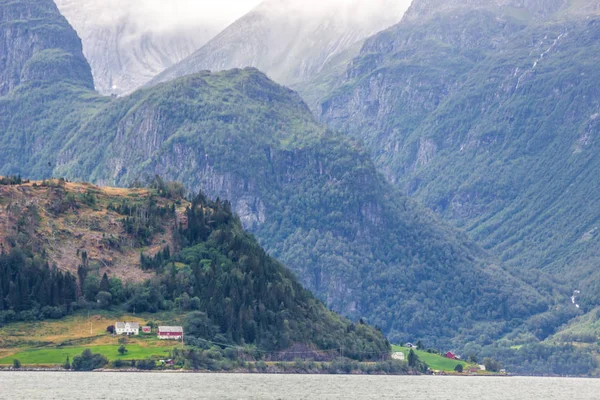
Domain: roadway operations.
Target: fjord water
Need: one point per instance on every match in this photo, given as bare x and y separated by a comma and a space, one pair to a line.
50, 385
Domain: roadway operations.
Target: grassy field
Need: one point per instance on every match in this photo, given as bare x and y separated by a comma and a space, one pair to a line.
50, 356
435, 361
51, 342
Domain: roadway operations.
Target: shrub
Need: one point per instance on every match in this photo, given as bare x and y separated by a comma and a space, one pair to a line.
88, 361
148, 364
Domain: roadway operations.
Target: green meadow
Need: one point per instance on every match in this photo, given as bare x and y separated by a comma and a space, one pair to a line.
52, 356
435, 361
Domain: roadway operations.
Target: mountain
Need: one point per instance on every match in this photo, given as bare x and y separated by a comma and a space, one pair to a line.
289, 39
193, 254
126, 50
46, 85
487, 112
312, 197
30, 50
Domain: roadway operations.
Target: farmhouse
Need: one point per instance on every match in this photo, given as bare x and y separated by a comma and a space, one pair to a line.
170, 332
451, 355
127, 328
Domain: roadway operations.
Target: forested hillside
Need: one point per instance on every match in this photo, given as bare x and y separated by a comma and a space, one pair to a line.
487, 113
312, 197
194, 256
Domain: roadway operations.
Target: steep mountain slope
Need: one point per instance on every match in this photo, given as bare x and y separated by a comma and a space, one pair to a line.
46, 82
209, 264
36, 43
126, 51
312, 197
289, 40
488, 114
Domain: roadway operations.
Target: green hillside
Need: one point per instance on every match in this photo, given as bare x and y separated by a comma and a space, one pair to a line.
487, 114
436, 362
207, 267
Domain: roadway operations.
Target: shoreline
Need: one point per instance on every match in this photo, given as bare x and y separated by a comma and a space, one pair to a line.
270, 371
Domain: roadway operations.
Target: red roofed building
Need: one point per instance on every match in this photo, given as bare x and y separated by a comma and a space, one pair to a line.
451, 355
170, 332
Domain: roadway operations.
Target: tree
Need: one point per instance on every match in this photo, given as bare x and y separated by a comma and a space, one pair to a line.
458, 368
413, 359
472, 359
491, 364
110, 329
420, 345
16, 364
104, 283
67, 363
122, 349
88, 361
104, 299
148, 364
91, 287
197, 324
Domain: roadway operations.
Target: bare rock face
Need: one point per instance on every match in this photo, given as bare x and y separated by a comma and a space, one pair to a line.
290, 40
124, 49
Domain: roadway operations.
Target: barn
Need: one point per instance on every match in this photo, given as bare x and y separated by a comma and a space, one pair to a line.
170, 332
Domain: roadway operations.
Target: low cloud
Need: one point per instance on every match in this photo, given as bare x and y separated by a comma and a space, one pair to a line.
157, 15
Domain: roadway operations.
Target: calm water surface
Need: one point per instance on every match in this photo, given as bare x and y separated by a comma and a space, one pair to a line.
49, 385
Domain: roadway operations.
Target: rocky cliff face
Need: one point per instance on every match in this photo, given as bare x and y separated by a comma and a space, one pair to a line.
482, 113
31, 51
126, 51
289, 41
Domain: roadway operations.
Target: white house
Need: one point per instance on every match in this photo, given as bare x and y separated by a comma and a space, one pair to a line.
127, 328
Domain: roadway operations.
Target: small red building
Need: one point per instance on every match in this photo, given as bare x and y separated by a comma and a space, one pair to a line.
146, 329
170, 332
451, 355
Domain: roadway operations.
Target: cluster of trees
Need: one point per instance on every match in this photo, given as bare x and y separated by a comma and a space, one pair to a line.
543, 359
12, 180
31, 289
88, 361
243, 295
156, 262
143, 220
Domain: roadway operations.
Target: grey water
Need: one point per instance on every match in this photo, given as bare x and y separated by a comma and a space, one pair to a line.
152, 386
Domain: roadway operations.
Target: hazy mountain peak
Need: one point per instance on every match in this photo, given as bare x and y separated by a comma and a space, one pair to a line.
291, 40
129, 42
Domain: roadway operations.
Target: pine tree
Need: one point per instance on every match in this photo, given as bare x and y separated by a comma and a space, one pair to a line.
104, 283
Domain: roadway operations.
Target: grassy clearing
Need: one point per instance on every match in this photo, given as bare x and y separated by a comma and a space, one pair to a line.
435, 361
53, 356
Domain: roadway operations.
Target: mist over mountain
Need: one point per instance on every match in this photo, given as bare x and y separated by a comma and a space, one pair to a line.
290, 40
